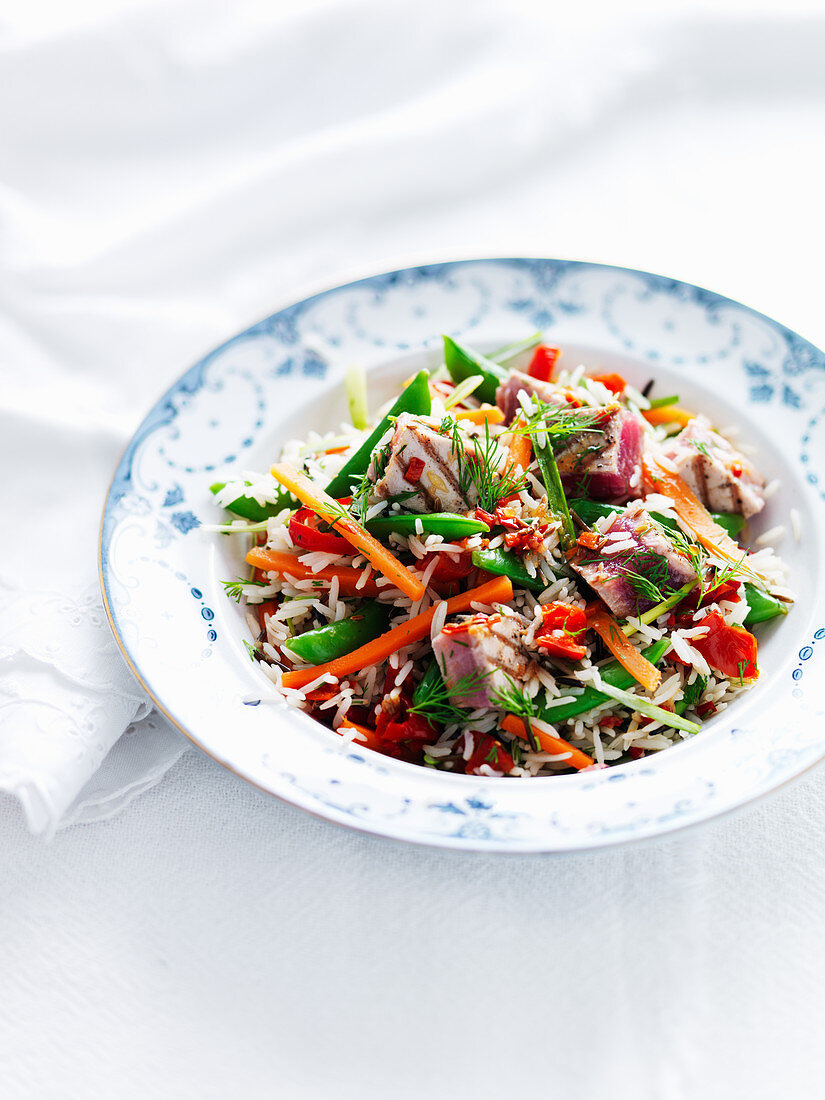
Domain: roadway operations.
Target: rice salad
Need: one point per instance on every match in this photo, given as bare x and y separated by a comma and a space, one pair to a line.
517, 568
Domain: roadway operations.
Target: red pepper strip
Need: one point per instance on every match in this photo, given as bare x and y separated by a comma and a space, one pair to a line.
562, 629
543, 363
304, 532
415, 468
704, 709
485, 517
730, 650
447, 570
614, 382
486, 750
479, 619
266, 608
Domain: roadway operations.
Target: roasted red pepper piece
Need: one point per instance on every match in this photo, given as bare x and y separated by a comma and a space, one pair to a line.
730, 650
543, 363
415, 468
305, 531
447, 571
614, 382
562, 630
486, 750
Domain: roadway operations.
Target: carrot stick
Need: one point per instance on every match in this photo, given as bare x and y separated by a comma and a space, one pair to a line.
518, 727
489, 414
276, 561
520, 452
499, 590
600, 620
314, 497
367, 737
668, 414
691, 510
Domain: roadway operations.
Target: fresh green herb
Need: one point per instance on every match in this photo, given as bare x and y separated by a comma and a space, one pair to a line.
478, 467
514, 700
432, 698
235, 589
741, 669
691, 694
252, 650
558, 422
701, 447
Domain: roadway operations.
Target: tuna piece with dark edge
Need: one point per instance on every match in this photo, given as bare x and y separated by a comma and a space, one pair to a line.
646, 568
606, 464
422, 470
719, 475
485, 653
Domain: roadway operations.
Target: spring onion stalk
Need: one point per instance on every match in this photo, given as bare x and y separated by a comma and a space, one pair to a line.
653, 614
236, 528
356, 384
463, 389
555, 493
571, 706
661, 402
649, 710
512, 351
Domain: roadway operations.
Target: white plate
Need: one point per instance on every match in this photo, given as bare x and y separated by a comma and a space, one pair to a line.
162, 576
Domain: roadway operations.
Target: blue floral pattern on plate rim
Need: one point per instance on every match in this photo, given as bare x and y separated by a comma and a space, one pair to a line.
161, 575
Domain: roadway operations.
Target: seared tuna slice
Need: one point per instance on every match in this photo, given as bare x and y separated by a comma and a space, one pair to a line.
507, 393
634, 565
605, 464
719, 475
422, 463
481, 654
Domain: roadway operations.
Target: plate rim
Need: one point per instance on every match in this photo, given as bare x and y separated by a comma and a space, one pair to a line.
432, 841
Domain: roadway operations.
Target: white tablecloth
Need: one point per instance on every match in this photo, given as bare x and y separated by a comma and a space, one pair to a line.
172, 172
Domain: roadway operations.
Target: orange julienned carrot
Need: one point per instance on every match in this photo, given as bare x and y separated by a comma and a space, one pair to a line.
520, 452
314, 497
668, 414
498, 590
608, 629
690, 509
518, 728
487, 414
367, 737
278, 561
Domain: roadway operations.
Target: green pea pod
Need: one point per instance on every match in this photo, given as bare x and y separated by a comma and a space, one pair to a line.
414, 399
591, 510
762, 606
336, 640
249, 508
427, 684
504, 563
462, 362
613, 674
448, 524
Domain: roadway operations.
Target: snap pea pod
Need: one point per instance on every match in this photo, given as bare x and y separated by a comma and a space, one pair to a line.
462, 362
504, 563
414, 399
762, 606
448, 524
613, 674
250, 509
336, 640
428, 684
591, 510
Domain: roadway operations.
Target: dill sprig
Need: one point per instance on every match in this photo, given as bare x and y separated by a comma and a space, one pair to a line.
701, 447
433, 698
479, 467
252, 650
516, 701
235, 589
558, 421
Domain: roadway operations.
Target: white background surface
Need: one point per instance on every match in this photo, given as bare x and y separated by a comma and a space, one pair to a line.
172, 172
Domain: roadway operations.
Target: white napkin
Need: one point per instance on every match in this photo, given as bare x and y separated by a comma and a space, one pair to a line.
66, 697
